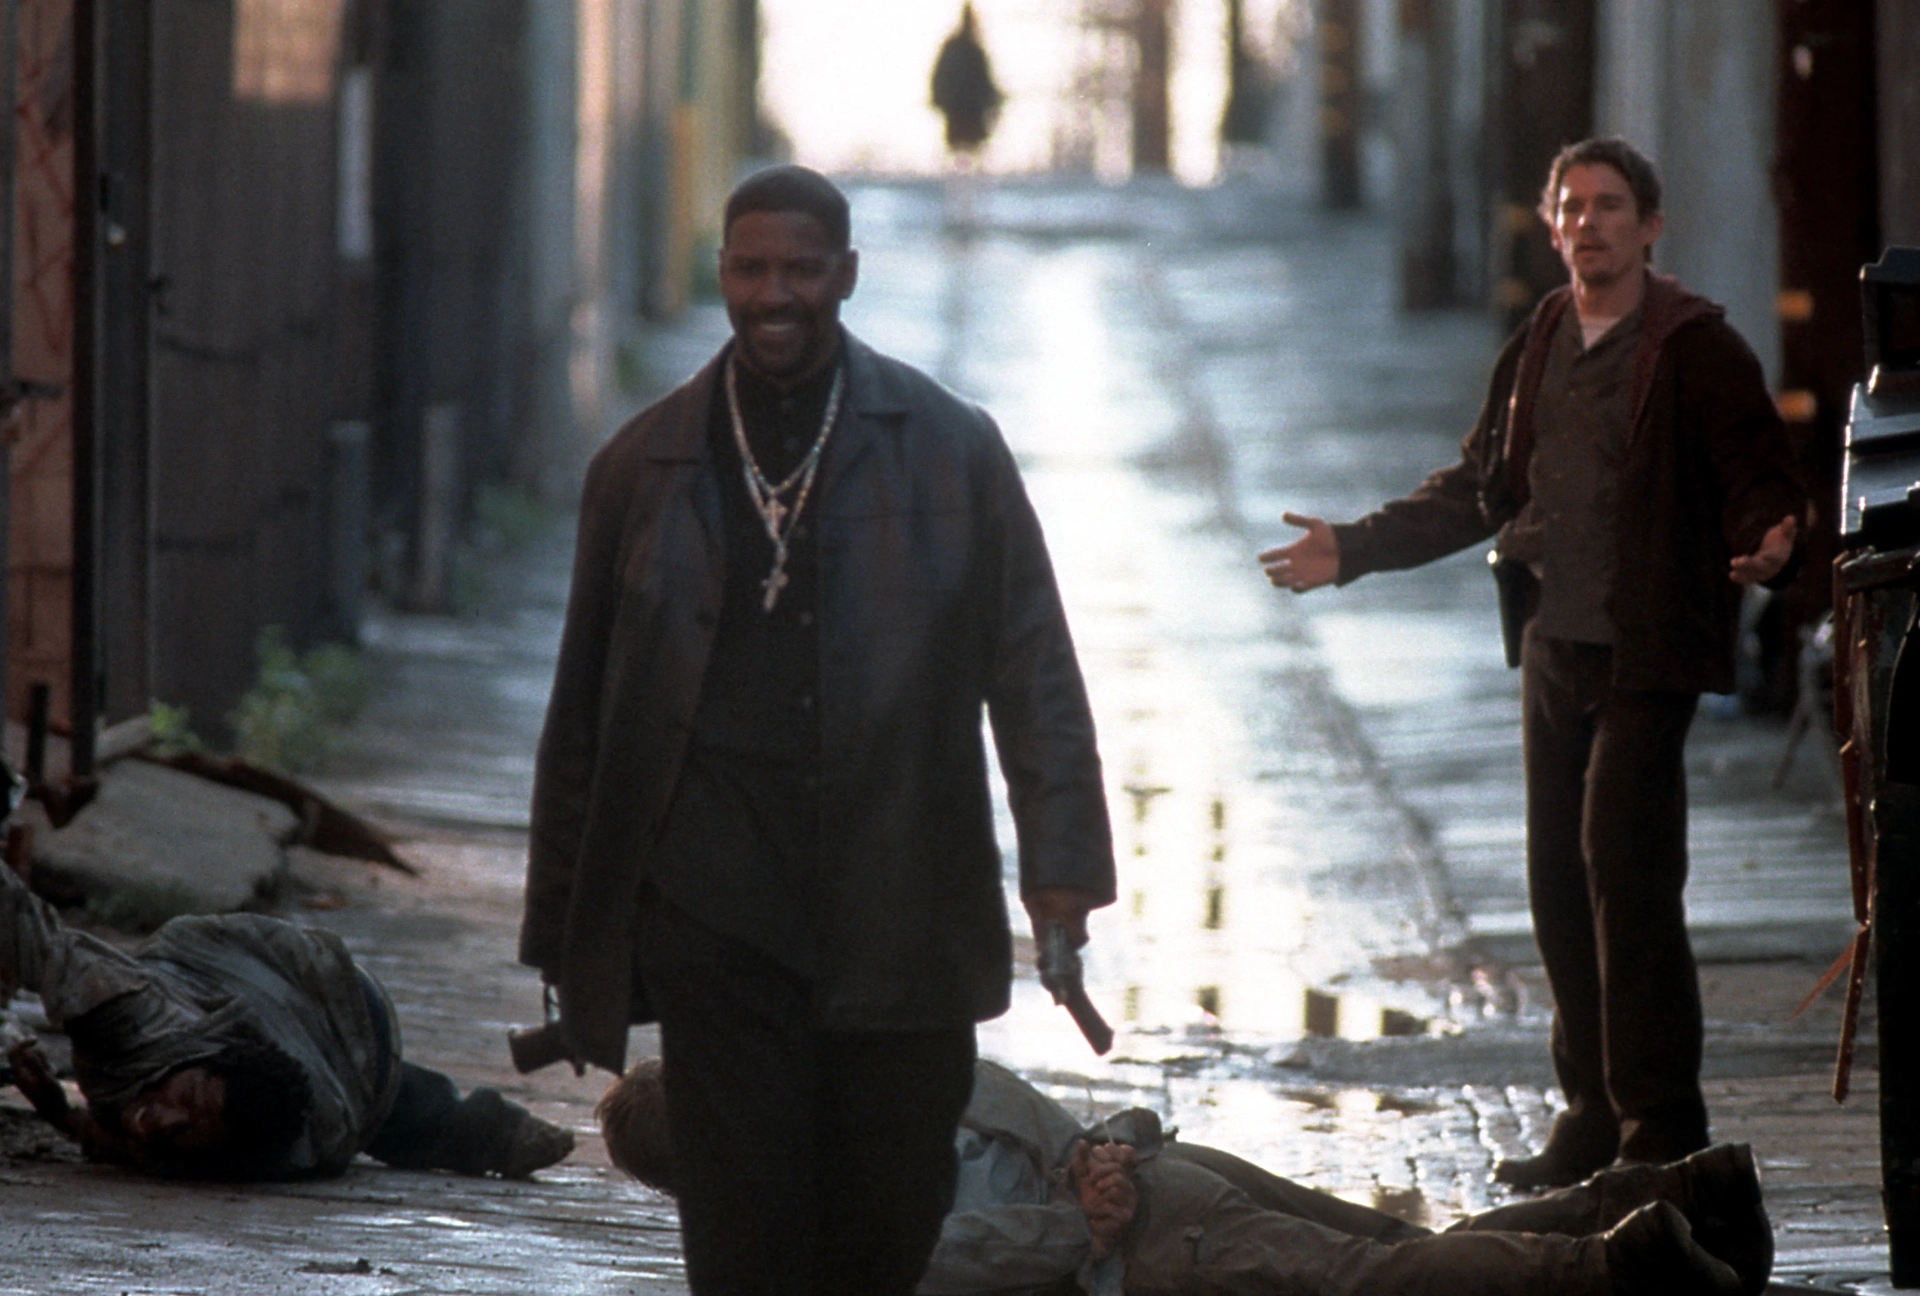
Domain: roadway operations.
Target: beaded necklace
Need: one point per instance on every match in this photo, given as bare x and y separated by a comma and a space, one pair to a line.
776, 515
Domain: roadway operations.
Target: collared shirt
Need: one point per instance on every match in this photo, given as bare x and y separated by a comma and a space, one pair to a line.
1565, 532
740, 843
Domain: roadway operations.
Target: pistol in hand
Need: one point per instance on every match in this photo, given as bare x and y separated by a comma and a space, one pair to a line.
1060, 974
534, 1047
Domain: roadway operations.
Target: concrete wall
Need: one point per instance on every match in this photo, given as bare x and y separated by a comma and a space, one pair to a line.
1691, 83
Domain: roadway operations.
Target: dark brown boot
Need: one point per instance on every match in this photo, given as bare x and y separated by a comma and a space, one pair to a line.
1652, 1253
1717, 1189
1722, 1202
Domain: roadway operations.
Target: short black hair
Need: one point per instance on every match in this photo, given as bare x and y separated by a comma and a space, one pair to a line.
790, 188
1642, 177
268, 1098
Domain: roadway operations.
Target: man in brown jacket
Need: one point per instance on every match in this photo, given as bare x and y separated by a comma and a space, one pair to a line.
761, 811
1633, 467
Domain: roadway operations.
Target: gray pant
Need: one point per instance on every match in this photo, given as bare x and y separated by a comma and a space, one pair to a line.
1212, 1223
1196, 1233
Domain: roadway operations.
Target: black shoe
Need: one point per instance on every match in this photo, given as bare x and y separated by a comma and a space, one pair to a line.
536, 1145
1724, 1207
490, 1134
1652, 1252
1549, 1169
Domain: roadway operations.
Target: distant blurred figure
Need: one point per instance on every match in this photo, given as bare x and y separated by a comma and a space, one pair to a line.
963, 88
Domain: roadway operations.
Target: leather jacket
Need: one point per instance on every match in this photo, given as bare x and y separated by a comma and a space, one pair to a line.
1707, 469
935, 597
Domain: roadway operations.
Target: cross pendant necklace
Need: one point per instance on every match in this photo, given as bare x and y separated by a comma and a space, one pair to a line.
777, 516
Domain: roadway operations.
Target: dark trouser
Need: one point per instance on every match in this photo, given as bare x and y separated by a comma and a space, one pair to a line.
806, 1160
1606, 868
431, 1127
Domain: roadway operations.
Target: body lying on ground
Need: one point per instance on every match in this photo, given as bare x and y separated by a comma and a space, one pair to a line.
1045, 1205
239, 1046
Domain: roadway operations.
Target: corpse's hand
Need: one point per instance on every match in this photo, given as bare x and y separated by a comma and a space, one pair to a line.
35, 1080
1765, 562
1309, 562
1104, 1177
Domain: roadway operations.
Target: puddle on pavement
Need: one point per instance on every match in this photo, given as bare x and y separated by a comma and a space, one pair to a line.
1227, 945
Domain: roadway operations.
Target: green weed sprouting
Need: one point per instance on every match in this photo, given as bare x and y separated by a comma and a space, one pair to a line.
172, 730
286, 720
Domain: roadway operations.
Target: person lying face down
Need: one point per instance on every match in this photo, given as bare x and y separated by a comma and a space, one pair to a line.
1043, 1204
239, 1046
233, 1116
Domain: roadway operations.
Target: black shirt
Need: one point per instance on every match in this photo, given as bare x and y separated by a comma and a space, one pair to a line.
740, 845
1568, 526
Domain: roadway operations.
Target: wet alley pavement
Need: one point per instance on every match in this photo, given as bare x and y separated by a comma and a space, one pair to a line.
1320, 957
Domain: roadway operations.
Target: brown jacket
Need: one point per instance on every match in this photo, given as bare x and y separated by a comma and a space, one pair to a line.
1707, 471
935, 597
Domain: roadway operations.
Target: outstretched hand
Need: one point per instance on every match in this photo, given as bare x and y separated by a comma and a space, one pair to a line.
1108, 1198
1765, 562
35, 1079
1309, 562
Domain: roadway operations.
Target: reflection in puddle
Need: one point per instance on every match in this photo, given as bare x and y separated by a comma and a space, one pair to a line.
1239, 921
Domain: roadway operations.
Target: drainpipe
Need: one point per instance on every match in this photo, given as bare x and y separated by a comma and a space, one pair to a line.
84, 708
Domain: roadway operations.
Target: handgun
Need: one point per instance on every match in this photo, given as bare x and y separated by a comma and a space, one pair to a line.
1060, 974
534, 1047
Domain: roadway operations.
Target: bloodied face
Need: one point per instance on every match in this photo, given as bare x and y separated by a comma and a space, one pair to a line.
184, 1114
783, 277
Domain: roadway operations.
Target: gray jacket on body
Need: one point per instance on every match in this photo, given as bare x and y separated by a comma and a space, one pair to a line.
1016, 1224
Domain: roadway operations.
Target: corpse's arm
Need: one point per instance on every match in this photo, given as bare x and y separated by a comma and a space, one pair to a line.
1037, 705
1007, 1248
36, 1081
72, 972
1019, 1245
569, 739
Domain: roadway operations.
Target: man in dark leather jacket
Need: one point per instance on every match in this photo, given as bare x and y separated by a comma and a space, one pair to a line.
1630, 460
761, 811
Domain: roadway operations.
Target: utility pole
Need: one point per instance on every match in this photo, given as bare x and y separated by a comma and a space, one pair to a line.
1340, 102
1152, 138
1423, 91
1544, 101
1245, 118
